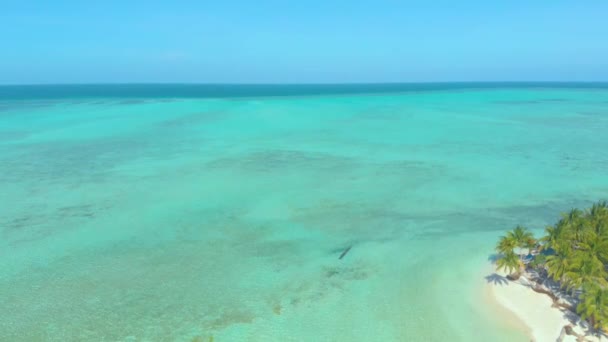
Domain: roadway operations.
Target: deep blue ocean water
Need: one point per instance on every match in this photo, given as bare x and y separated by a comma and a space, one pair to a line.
32, 92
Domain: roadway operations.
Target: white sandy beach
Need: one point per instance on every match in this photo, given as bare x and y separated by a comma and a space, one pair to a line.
535, 310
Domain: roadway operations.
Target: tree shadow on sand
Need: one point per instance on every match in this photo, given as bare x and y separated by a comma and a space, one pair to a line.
571, 316
588, 331
497, 279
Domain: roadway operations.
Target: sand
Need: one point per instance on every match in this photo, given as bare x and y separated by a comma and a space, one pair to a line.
535, 310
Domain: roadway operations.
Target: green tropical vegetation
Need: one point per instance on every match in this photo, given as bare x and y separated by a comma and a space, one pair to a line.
573, 253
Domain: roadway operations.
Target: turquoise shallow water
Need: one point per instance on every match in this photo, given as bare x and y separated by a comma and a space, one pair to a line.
148, 218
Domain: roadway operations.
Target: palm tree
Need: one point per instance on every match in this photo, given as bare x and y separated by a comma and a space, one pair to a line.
539, 261
599, 210
596, 247
510, 262
580, 243
522, 237
558, 265
585, 271
506, 244
598, 219
553, 239
530, 244
576, 225
594, 306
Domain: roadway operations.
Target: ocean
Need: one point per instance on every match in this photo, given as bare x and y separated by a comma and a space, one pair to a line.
280, 212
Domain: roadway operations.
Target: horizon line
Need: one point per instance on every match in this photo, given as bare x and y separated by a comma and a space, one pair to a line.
295, 83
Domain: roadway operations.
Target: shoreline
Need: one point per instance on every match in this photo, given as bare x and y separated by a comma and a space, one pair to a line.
507, 317
543, 321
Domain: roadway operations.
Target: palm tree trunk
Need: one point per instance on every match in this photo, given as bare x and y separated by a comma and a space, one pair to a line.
540, 289
594, 331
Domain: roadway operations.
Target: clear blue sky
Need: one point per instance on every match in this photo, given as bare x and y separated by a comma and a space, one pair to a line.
62, 41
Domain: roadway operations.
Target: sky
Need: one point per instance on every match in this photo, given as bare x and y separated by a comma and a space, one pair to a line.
310, 41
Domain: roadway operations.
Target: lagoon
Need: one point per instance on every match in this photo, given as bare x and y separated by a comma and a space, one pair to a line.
177, 212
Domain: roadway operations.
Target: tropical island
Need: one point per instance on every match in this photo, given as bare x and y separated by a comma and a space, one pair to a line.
568, 266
